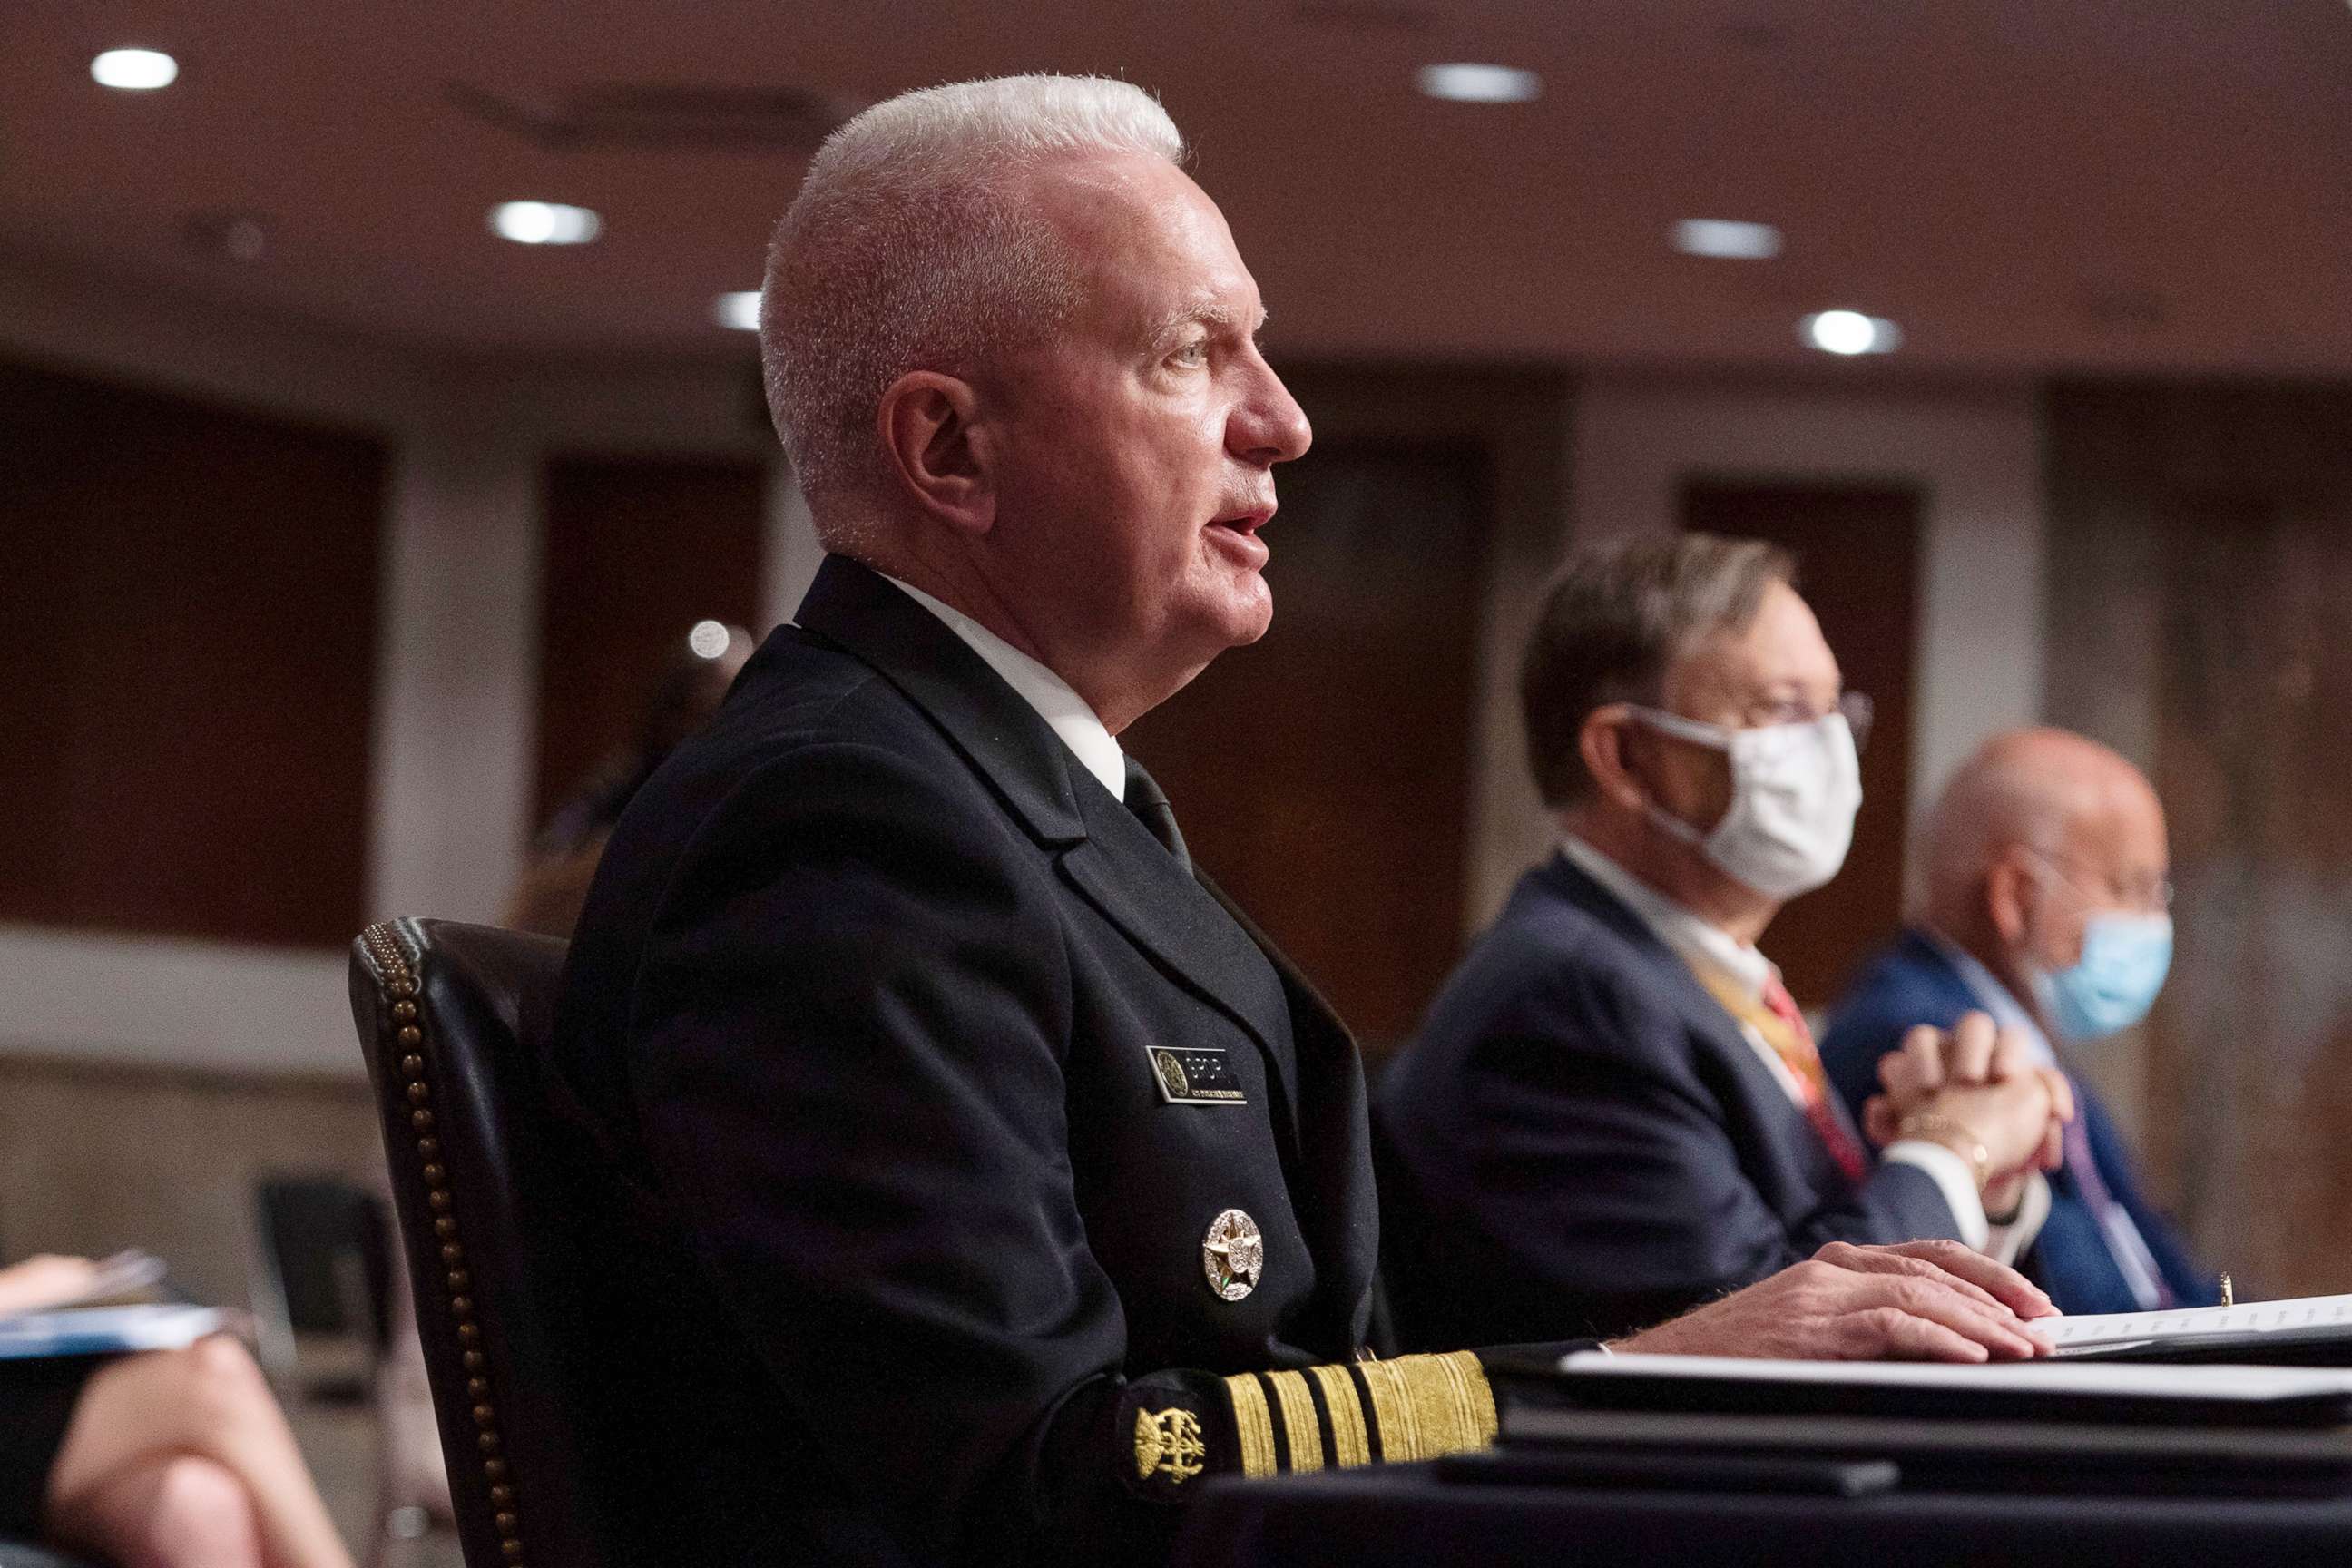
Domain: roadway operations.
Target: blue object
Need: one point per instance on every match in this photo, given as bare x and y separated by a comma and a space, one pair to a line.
104, 1331
2114, 983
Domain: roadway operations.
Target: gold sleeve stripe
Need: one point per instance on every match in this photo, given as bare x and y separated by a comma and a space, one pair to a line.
1351, 1444
1385, 1381
1298, 1423
1255, 1423
1430, 1405
1472, 1400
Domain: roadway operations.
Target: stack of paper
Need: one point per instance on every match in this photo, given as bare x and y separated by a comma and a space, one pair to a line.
2253, 1324
2249, 1384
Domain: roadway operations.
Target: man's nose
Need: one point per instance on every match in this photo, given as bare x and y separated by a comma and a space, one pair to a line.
1269, 426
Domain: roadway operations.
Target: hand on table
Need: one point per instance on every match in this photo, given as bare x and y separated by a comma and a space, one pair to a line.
1917, 1300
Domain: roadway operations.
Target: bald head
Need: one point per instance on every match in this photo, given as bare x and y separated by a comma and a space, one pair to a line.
2072, 803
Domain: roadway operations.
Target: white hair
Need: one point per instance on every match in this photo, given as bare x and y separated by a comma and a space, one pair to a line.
910, 248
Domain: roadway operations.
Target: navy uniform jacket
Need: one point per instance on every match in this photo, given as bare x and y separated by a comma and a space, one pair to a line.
1913, 983
1580, 1128
903, 1229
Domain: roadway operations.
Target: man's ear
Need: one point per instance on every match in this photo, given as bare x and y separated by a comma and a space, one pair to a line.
936, 449
2008, 899
1603, 742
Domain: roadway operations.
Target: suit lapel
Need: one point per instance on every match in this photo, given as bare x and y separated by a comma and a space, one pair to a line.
1135, 883
1705, 1015
1341, 1215
1107, 856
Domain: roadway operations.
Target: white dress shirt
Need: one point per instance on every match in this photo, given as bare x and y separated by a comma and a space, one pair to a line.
1704, 945
1062, 709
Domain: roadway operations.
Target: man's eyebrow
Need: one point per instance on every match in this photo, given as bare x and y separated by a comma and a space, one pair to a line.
1205, 312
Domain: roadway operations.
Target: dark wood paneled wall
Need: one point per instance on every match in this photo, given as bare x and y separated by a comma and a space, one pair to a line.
2199, 618
636, 551
1857, 550
187, 645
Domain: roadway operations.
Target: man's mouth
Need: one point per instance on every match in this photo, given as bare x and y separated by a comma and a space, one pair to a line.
1247, 522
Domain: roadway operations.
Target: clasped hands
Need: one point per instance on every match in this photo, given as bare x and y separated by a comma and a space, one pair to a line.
1975, 1085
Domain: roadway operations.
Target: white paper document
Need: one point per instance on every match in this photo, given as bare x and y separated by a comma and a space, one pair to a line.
2305, 1313
2108, 1378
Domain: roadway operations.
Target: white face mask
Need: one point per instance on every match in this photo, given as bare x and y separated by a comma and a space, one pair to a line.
1794, 792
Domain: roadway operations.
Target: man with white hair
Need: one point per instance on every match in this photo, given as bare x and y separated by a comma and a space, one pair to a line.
964, 1178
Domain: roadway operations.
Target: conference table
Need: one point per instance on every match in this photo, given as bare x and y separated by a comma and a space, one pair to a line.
1409, 1516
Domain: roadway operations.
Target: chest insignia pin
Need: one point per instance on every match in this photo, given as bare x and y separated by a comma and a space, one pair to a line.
1232, 1255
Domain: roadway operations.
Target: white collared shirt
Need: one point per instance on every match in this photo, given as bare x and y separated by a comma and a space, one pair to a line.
1063, 710
1702, 943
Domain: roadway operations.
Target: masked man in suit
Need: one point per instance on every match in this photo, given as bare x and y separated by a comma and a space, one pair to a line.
2046, 910
965, 1178
1614, 1109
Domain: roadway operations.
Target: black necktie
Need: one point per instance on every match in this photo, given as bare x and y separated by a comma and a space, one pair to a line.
1150, 803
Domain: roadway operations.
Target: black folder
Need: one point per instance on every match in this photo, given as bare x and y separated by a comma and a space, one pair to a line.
2298, 1444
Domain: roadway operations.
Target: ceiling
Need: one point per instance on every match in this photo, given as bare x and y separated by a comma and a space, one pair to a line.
2025, 185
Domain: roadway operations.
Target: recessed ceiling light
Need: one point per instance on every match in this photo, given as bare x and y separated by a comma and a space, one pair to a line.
1464, 83
134, 70
1727, 238
739, 310
1850, 333
709, 640
545, 222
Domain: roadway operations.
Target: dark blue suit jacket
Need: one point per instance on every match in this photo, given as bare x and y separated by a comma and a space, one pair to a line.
1913, 983
1583, 1139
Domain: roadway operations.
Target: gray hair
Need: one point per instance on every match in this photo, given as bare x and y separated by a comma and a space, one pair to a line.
909, 247
1616, 618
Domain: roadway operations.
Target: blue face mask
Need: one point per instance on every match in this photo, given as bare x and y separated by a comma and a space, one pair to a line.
2124, 959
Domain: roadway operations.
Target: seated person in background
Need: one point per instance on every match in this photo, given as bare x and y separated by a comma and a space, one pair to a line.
563, 857
1613, 1110
964, 1179
2046, 901
162, 1459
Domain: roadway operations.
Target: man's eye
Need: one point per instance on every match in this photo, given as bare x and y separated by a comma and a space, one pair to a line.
1192, 354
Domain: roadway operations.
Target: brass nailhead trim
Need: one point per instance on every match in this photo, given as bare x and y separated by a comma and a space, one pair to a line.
398, 982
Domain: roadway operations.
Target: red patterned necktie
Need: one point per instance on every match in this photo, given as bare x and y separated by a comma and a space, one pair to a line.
1792, 1042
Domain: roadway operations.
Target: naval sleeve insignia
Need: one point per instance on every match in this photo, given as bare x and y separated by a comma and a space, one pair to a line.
1168, 1443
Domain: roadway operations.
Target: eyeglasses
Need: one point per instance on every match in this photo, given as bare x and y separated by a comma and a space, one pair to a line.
2144, 895
1855, 705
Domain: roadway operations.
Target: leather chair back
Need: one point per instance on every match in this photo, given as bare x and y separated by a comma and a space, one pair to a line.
453, 1019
